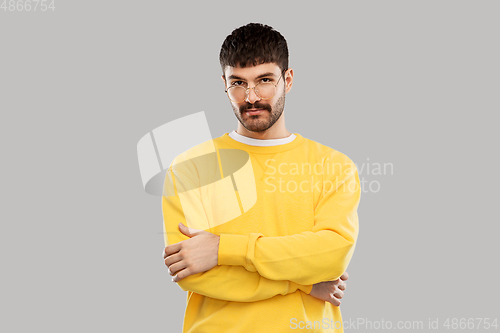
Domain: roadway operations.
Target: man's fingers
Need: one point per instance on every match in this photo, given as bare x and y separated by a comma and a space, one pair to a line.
177, 267
172, 259
190, 232
181, 275
342, 285
338, 294
344, 276
334, 300
171, 249
164, 253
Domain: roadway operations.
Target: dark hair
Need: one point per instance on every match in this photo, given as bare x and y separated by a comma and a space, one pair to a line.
254, 44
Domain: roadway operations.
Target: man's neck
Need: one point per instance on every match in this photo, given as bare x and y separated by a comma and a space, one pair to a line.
266, 135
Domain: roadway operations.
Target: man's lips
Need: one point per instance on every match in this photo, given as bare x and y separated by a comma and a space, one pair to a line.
254, 111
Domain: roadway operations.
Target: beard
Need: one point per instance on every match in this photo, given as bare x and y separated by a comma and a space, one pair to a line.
262, 121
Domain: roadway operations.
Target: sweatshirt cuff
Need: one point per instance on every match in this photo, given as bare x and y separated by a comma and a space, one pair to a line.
233, 250
307, 289
292, 287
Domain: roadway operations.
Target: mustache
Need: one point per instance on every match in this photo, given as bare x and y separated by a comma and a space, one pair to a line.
255, 106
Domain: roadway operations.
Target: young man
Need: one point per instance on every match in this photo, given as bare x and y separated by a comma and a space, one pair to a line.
260, 223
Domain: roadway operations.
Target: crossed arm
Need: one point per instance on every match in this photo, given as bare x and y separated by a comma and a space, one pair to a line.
224, 282
249, 288
221, 267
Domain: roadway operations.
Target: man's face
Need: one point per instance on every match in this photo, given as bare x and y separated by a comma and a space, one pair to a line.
254, 113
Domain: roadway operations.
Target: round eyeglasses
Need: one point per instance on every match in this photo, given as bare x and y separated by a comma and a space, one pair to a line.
263, 90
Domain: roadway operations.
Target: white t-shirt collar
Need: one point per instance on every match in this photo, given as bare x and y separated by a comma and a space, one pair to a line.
258, 142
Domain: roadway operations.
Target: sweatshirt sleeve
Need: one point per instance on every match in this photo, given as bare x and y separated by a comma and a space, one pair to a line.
229, 283
310, 257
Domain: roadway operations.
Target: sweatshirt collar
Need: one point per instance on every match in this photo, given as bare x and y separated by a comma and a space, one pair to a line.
259, 142
278, 146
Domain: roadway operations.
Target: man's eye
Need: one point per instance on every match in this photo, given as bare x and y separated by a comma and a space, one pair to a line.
266, 79
237, 83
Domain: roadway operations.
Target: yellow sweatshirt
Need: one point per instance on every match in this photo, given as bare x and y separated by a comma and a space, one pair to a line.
287, 219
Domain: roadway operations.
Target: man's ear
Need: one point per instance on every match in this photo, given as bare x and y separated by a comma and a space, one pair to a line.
223, 79
288, 80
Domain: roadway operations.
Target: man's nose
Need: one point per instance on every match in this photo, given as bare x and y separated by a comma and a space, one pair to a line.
252, 96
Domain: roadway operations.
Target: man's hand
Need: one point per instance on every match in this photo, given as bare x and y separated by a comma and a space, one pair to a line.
330, 291
195, 255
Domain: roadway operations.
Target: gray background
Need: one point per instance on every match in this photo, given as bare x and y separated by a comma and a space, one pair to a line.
412, 83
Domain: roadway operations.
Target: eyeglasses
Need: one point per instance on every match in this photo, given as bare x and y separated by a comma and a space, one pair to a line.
263, 90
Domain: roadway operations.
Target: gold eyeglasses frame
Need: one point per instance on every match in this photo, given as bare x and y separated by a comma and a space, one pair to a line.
247, 89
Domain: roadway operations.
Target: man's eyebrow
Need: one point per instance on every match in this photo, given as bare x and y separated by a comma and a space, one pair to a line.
236, 77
